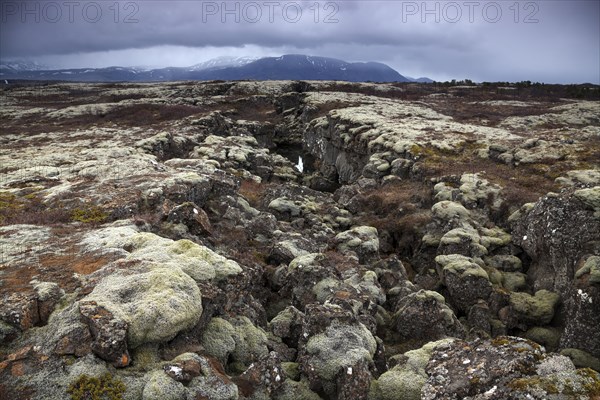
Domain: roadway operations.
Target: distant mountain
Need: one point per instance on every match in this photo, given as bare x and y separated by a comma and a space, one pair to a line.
420, 80
23, 65
223, 62
308, 68
287, 67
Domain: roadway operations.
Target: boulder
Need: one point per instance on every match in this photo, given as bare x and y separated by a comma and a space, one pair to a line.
193, 217
336, 347
556, 233
504, 368
425, 316
362, 240
582, 308
526, 310
466, 281
156, 303
218, 339
405, 380
109, 333
195, 260
262, 378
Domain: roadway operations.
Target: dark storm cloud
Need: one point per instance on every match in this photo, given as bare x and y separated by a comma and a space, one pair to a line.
485, 40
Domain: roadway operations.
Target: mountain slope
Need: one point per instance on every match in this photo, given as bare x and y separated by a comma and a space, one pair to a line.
287, 67
308, 68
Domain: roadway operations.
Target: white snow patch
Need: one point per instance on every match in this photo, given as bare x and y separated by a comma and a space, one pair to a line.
300, 165
491, 391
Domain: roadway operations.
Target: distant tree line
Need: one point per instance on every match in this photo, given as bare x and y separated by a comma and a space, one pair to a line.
584, 91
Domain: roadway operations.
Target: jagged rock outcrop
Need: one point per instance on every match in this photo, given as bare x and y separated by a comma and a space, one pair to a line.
501, 368
556, 233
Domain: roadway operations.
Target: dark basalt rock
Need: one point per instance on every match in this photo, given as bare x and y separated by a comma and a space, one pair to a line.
424, 314
108, 332
556, 233
503, 368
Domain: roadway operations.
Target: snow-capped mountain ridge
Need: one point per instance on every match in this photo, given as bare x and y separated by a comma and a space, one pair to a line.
223, 62
286, 67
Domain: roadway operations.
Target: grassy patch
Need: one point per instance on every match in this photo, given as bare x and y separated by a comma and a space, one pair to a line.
90, 388
89, 214
30, 209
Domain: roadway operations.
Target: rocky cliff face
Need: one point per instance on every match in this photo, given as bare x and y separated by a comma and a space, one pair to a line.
158, 241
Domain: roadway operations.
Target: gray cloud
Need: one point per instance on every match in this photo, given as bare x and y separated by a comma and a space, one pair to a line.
552, 41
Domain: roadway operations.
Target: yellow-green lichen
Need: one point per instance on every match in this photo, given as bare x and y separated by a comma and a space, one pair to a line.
89, 214
91, 388
523, 384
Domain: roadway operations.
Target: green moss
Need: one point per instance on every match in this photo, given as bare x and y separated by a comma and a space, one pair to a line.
500, 341
89, 214
582, 359
523, 384
291, 370
145, 357
538, 309
9, 204
218, 339
592, 384
548, 337
398, 383
90, 388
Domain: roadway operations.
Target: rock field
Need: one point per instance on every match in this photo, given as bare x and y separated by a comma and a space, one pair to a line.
160, 241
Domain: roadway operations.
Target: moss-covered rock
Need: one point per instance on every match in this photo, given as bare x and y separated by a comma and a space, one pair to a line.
196, 260
157, 303
291, 370
425, 316
292, 390
250, 343
591, 198
363, 240
218, 339
285, 206
514, 281
504, 262
582, 359
477, 191
160, 386
464, 240
466, 281
533, 310
104, 387
207, 379
398, 383
405, 380
546, 336
339, 347
449, 210
591, 267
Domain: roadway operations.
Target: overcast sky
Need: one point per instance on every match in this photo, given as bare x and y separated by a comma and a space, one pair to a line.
547, 41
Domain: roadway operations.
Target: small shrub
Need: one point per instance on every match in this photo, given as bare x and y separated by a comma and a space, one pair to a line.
30, 209
90, 388
89, 214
